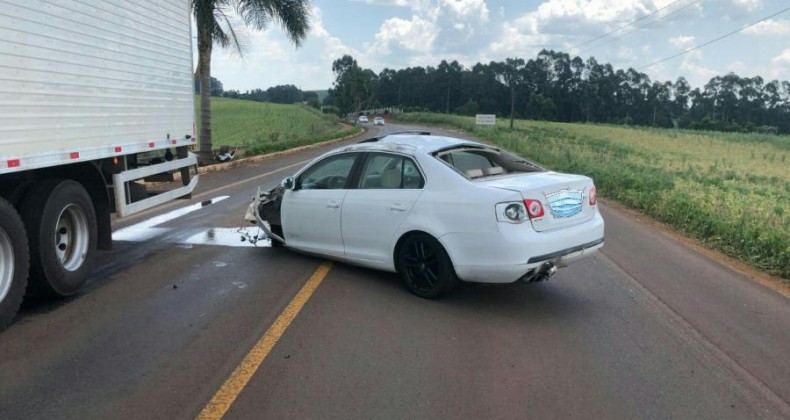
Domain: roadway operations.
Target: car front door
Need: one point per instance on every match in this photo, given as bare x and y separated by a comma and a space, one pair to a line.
311, 211
386, 189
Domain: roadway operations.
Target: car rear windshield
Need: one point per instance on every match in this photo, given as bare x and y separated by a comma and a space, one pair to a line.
480, 162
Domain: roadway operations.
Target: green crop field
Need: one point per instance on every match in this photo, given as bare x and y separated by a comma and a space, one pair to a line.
730, 191
265, 127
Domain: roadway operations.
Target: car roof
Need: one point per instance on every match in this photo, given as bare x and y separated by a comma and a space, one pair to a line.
412, 143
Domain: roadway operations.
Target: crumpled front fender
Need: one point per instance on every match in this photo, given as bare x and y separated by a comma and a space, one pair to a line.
253, 215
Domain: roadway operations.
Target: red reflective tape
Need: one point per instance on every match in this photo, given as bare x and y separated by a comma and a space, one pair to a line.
193, 139
151, 144
175, 141
13, 163
118, 149
74, 155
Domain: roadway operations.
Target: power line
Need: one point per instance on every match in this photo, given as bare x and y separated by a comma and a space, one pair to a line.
713, 40
624, 26
674, 12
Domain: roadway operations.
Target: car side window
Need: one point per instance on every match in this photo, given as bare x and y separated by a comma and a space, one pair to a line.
332, 173
385, 171
412, 178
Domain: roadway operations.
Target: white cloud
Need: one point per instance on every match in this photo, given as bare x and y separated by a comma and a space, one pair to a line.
682, 42
439, 30
770, 28
413, 4
465, 8
693, 69
520, 37
749, 5
463, 25
738, 67
268, 53
783, 58
568, 16
568, 23
416, 35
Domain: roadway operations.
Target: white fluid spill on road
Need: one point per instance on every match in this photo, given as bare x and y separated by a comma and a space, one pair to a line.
145, 230
246, 237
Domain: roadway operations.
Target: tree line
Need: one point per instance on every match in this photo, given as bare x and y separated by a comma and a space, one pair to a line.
557, 87
280, 94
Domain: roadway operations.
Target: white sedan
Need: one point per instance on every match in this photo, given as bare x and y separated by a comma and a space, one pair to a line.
434, 210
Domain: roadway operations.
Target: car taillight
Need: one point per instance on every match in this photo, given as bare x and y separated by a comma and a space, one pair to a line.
534, 208
593, 198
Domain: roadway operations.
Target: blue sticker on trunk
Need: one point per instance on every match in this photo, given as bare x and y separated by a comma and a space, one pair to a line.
565, 203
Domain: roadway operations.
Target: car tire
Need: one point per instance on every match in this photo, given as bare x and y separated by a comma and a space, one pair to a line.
424, 266
61, 225
14, 262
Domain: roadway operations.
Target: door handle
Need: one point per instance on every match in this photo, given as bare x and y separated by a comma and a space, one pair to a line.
333, 205
398, 207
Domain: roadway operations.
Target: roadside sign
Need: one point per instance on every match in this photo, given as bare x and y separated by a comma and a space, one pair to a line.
485, 119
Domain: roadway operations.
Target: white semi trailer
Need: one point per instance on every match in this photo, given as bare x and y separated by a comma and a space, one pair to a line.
90, 91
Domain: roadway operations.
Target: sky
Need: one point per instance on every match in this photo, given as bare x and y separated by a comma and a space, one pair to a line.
401, 33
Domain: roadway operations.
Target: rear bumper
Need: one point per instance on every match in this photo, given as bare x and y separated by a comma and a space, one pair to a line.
567, 251
507, 255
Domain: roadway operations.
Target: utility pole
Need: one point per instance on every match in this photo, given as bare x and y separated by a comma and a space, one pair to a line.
512, 102
447, 106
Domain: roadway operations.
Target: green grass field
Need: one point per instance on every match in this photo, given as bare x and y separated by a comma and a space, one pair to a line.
265, 127
730, 191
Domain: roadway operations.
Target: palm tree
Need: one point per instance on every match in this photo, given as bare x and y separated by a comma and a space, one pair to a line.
216, 24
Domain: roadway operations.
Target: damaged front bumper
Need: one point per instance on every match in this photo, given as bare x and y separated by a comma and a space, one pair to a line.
253, 214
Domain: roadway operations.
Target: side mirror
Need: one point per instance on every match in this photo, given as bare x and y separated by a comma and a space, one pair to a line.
288, 183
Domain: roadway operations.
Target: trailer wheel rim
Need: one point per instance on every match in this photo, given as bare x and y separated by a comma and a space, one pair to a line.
6, 264
72, 237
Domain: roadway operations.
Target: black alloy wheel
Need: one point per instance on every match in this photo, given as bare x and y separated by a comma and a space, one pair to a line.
425, 267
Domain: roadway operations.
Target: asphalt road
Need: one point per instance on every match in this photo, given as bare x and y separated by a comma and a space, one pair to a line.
648, 328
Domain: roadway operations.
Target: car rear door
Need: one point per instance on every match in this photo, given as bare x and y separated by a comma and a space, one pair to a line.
311, 211
386, 190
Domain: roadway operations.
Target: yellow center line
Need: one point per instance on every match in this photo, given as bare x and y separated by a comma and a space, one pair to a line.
230, 390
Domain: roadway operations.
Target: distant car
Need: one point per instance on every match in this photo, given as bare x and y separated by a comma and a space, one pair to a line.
362, 119
435, 210
378, 121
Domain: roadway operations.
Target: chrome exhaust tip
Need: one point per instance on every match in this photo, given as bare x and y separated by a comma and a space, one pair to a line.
542, 273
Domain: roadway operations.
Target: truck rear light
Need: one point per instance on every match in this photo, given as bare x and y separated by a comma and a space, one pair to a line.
593, 198
534, 208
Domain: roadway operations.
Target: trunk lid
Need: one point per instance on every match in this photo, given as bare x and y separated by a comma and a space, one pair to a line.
565, 197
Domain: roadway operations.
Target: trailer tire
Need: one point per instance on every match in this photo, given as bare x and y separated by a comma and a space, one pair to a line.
14, 262
61, 222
